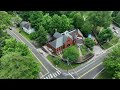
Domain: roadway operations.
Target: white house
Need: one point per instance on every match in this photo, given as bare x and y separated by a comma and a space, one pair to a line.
26, 26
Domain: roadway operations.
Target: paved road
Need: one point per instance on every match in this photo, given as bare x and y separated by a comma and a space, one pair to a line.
117, 29
85, 71
47, 67
90, 68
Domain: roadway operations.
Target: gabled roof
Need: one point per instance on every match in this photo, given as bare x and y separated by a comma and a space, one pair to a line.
79, 32
57, 35
57, 43
25, 24
61, 38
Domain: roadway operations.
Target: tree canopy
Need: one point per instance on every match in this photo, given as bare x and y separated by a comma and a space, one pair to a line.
5, 20
100, 18
41, 36
11, 45
87, 28
36, 19
105, 35
112, 63
89, 43
71, 54
15, 66
117, 18
78, 20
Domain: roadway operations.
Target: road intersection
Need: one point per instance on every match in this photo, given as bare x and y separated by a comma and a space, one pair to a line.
87, 70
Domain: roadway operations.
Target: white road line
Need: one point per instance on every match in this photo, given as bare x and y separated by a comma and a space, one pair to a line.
58, 72
84, 67
36, 50
44, 74
71, 75
40, 61
51, 76
49, 62
54, 75
92, 61
41, 74
32, 53
90, 70
46, 78
24, 38
98, 73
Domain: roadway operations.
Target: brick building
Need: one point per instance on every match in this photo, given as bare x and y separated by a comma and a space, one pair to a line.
63, 40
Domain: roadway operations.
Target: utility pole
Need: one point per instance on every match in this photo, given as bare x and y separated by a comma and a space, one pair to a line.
68, 64
71, 66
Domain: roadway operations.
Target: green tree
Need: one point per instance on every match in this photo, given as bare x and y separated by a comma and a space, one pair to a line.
5, 20
89, 43
46, 21
112, 63
33, 36
78, 20
100, 18
117, 18
71, 53
41, 36
114, 13
55, 24
66, 23
36, 19
25, 15
105, 35
11, 45
87, 28
15, 66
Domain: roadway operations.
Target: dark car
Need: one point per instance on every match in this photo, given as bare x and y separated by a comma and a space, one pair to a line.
10, 28
114, 28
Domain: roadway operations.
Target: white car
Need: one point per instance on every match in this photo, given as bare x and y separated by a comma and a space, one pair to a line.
116, 31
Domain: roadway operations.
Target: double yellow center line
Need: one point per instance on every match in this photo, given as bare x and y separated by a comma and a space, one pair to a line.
90, 70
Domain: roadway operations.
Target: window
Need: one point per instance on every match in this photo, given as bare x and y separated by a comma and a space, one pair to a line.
68, 45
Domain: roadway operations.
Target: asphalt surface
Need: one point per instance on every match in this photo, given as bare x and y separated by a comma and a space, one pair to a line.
89, 70
85, 71
47, 67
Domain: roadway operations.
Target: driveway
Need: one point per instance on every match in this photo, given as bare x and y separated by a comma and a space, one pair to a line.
97, 50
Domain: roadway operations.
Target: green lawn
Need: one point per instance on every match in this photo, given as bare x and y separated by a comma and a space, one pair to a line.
83, 50
23, 33
103, 75
112, 42
61, 64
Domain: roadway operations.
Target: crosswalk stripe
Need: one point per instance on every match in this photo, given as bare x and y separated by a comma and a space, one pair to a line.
47, 78
51, 76
58, 73
54, 75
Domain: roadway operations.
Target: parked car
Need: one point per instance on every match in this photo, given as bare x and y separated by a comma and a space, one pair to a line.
114, 28
116, 31
10, 28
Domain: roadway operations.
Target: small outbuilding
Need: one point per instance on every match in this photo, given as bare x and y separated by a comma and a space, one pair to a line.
26, 26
